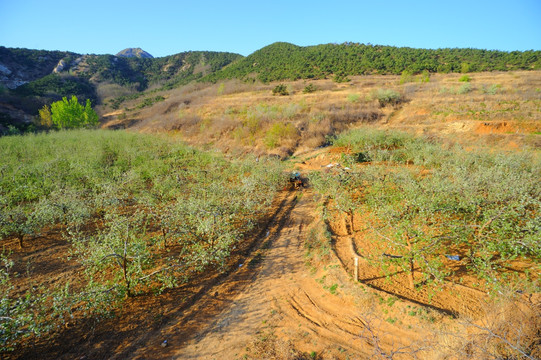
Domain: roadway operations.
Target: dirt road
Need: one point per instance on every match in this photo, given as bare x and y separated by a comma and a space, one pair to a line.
274, 295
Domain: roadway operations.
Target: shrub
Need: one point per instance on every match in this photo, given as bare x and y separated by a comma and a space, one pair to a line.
406, 77
45, 117
465, 78
425, 76
280, 89
464, 89
150, 101
388, 97
221, 89
310, 88
277, 132
491, 90
341, 78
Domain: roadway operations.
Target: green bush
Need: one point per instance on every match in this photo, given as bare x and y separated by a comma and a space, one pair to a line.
465, 68
150, 101
406, 77
353, 98
465, 78
277, 132
341, 78
388, 97
67, 114
491, 90
280, 89
425, 76
310, 88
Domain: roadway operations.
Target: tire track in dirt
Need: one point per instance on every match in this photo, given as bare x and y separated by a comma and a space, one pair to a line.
274, 285
205, 315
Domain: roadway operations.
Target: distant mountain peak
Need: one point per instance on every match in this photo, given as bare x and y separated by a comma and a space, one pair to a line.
135, 52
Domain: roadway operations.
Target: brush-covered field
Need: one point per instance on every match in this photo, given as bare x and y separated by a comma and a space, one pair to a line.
497, 109
114, 241
134, 214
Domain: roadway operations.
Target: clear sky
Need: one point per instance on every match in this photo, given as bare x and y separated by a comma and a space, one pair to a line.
168, 27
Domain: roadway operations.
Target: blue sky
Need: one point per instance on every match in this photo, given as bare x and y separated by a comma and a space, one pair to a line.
169, 27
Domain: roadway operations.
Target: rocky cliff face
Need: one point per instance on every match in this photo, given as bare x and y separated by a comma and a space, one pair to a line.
135, 52
19, 66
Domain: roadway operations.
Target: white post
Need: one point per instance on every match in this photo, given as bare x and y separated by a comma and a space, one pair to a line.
356, 260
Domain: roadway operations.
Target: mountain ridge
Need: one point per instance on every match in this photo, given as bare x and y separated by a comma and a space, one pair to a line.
286, 61
30, 79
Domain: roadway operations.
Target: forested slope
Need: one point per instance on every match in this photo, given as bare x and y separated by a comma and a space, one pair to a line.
284, 61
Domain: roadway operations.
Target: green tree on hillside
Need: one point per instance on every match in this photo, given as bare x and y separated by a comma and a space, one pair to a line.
68, 114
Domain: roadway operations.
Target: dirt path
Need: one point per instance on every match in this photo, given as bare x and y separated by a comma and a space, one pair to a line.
274, 292
280, 303
280, 270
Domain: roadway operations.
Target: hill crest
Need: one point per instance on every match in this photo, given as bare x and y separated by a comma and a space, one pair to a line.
134, 52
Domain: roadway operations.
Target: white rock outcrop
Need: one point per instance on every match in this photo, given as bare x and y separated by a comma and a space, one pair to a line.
59, 67
4, 70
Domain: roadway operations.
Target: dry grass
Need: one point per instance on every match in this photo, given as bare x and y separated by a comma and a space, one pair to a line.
509, 329
495, 109
268, 346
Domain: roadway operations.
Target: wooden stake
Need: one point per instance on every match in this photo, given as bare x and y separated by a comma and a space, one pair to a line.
356, 260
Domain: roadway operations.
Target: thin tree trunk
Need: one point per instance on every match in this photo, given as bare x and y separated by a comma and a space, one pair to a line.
412, 267
164, 232
125, 267
20, 237
126, 279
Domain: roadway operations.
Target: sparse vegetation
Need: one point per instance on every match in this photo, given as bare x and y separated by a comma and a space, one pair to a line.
115, 197
387, 97
485, 205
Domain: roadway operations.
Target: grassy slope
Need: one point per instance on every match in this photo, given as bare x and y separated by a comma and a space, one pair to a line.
499, 109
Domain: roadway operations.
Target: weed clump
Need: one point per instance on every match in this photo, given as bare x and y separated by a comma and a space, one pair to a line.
387, 97
310, 88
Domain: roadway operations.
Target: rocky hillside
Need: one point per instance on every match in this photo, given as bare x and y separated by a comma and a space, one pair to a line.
30, 79
134, 52
20, 66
